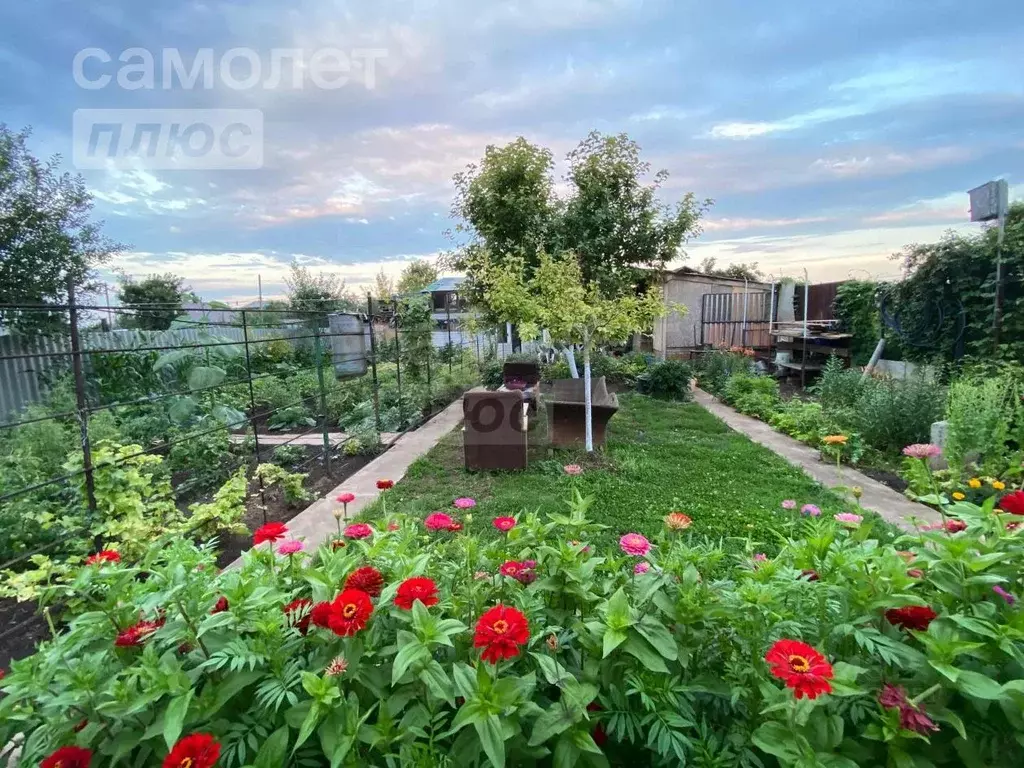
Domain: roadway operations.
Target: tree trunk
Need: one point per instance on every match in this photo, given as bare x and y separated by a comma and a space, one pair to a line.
588, 405
570, 356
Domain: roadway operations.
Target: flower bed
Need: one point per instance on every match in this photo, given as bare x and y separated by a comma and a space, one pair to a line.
423, 646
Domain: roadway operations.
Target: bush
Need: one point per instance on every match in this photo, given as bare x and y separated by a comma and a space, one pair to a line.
288, 455
985, 412
839, 387
670, 380
756, 396
601, 664
717, 366
892, 413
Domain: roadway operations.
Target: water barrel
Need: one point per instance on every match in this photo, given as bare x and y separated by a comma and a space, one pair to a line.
348, 343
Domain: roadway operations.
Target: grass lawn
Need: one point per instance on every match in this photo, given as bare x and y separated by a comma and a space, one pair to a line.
660, 457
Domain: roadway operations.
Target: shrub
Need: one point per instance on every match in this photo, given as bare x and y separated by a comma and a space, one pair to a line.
717, 366
288, 455
892, 413
603, 661
670, 380
805, 420
756, 396
838, 387
985, 412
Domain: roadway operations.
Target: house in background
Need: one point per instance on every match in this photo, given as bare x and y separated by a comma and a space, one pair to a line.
446, 306
716, 308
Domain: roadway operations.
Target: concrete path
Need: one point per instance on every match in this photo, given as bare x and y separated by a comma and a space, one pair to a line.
316, 524
313, 438
891, 505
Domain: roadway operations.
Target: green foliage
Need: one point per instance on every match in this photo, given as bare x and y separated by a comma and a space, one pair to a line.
291, 483
46, 236
312, 296
288, 455
203, 450
668, 665
756, 396
985, 413
893, 413
291, 418
226, 510
856, 307
154, 302
669, 380
715, 367
805, 420
839, 387
959, 271
416, 275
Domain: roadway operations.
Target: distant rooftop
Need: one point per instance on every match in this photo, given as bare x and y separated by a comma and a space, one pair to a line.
444, 284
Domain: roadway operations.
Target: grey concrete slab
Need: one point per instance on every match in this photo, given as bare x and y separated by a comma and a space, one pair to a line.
313, 438
316, 523
891, 505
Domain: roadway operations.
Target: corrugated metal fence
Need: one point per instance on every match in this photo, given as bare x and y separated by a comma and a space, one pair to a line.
722, 319
22, 379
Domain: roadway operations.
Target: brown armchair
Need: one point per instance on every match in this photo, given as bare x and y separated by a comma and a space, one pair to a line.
494, 434
567, 409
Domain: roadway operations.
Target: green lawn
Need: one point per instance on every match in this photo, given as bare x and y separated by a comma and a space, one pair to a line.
660, 457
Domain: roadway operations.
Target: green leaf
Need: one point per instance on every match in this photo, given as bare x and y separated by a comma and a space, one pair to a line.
437, 681
181, 409
465, 680
552, 722
639, 648
951, 717
978, 685
308, 725
566, 753
657, 635
584, 742
272, 753
613, 638
410, 653
492, 740
174, 717
205, 376
553, 671
776, 739
617, 613
215, 621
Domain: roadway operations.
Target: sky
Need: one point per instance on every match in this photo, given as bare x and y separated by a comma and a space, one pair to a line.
829, 134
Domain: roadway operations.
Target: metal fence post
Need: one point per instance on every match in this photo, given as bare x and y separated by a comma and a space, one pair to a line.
430, 354
448, 319
373, 365
318, 346
398, 370
252, 414
82, 403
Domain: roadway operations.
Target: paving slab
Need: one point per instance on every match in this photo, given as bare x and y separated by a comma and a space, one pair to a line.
312, 438
316, 524
878, 497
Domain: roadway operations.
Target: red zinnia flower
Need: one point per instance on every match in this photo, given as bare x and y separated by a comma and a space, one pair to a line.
106, 556
504, 524
955, 526
298, 613
321, 615
367, 579
350, 612
221, 605
68, 757
1013, 503
500, 632
912, 716
417, 588
438, 521
911, 617
358, 531
197, 750
801, 667
346, 498
384, 485
137, 633
598, 734
269, 532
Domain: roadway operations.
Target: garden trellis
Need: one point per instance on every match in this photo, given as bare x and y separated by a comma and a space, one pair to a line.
233, 380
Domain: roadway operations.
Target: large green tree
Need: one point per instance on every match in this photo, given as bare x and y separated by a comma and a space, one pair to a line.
312, 295
153, 302
47, 236
416, 276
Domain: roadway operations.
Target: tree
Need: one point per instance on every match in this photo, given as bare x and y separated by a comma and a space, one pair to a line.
416, 276
383, 286
46, 236
557, 298
313, 296
740, 271
154, 302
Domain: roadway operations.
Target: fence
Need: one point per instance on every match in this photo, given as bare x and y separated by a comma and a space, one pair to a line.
735, 319
207, 400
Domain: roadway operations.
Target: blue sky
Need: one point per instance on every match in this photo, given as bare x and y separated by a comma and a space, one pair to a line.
829, 133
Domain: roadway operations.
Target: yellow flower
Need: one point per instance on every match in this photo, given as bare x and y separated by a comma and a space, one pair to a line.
974, 482
998, 485
958, 496
835, 440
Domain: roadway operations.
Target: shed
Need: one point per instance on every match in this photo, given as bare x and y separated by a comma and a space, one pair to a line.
715, 310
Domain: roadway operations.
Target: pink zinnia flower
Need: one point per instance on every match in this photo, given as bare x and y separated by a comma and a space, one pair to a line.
642, 567
954, 526
635, 544
1010, 599
573, 469
346, 498
922, 451
358, 531
439, 521
481, 575
849, 517
337, 667
290, 547
393, 526
760, 557
504, 524
811, 510
789, 504
464, 503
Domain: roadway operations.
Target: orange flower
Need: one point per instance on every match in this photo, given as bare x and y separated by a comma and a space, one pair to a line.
835, 440
677, 521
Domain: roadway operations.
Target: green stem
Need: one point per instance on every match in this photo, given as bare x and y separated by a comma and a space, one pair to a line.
922, 696
192, 628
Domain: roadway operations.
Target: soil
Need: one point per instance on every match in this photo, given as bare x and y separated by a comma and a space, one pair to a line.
22, 627
885, 477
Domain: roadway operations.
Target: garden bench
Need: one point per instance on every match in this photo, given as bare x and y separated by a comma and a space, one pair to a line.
567, 410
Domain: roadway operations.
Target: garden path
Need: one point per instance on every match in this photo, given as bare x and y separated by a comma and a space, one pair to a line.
892, 506
316, 523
